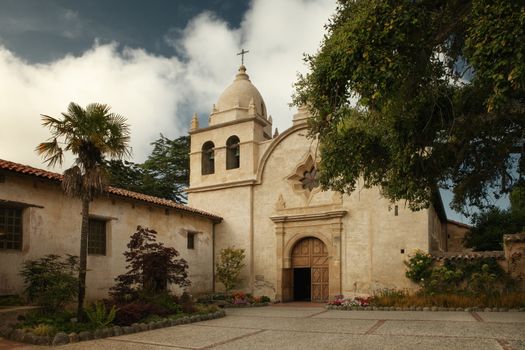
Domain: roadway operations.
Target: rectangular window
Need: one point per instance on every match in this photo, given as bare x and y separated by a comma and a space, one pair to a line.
97, 237
11, 228
191, 240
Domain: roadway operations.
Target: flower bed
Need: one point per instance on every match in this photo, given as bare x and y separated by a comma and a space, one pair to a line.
60, 338
392, 300
236, 300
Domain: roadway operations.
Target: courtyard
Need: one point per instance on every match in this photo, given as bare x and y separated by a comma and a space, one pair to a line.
311, 326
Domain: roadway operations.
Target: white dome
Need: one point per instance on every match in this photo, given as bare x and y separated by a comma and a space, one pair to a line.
240, 94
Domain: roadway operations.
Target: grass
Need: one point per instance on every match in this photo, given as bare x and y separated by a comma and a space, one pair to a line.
406, 299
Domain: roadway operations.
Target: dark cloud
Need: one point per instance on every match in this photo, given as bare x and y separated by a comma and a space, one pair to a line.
42, 31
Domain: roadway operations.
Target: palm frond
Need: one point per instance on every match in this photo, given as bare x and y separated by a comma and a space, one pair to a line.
51, 151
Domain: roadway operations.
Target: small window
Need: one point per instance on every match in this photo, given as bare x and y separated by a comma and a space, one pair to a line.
191, 240
233, 155
11, 228
97, 237
208, 158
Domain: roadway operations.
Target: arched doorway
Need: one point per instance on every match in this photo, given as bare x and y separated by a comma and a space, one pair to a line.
310, 270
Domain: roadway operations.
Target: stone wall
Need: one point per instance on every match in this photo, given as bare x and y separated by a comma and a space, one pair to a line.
514, 248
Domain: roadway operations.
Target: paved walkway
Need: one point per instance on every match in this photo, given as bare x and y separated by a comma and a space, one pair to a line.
300, 327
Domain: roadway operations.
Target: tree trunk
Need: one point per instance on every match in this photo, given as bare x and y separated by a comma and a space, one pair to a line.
83, 259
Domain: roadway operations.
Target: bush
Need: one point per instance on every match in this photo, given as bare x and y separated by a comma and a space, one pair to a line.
187, 304
419, 266
265, 299
151, 268
469, 277
51, 281
99, 316
128, 314
231, 262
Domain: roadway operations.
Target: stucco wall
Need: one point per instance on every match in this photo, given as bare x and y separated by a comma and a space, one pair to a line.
455, 233
371, 239
55, 228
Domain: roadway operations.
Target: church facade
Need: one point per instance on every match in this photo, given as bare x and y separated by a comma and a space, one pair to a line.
301, 243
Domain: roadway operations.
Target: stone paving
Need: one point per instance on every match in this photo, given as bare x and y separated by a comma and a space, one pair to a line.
300, 327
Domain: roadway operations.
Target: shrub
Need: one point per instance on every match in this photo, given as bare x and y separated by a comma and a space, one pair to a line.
419, 266
99, 316
51, 281
231, 262
265, 299
44, 330
472, 277
151, 268
187, 304
136, 311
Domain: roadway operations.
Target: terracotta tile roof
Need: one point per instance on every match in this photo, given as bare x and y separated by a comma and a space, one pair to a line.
498, 255
28, 170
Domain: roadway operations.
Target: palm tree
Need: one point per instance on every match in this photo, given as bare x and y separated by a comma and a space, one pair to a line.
91, 134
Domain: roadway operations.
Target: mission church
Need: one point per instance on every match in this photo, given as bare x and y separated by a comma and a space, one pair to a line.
301, 243
249, 189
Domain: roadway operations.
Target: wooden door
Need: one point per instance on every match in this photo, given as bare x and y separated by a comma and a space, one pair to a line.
312, 253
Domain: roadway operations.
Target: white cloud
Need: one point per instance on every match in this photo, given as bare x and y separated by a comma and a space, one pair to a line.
154, 92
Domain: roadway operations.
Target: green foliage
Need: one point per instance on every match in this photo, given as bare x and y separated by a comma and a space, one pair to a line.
99, 315
489, 227
91, 134
482, 282
461, 277
443, 279
439, 98
44, 330
53, 321
419, 266
11, 300
231, 261
50, 281
164, 174
151, 268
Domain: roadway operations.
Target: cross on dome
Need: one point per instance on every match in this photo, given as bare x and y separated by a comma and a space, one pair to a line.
242, 53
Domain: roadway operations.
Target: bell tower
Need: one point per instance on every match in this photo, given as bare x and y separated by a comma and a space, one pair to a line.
226, 151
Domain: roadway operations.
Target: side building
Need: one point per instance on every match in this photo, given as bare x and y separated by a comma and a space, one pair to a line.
37, 219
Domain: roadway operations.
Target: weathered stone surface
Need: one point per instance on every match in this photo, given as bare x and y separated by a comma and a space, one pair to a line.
60, 338
107, 332
98, 334
143, 327
136, 327
117, 330
128, 330
73, 337
85, 335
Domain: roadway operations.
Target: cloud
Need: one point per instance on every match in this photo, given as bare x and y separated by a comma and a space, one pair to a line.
159, 94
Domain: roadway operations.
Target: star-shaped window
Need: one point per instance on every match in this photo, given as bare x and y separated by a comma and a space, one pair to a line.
309, 179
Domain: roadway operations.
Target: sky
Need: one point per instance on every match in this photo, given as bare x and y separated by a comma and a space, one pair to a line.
154, 62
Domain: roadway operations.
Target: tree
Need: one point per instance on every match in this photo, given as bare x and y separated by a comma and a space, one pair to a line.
231, 262
490, 225
91, 134
165, 173
416, 95
151, 267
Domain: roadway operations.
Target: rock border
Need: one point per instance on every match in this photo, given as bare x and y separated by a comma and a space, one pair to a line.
62, 338
239, 306
419, 308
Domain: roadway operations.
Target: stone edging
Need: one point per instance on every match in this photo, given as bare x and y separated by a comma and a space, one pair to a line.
414, 308
62, 338
236, 306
